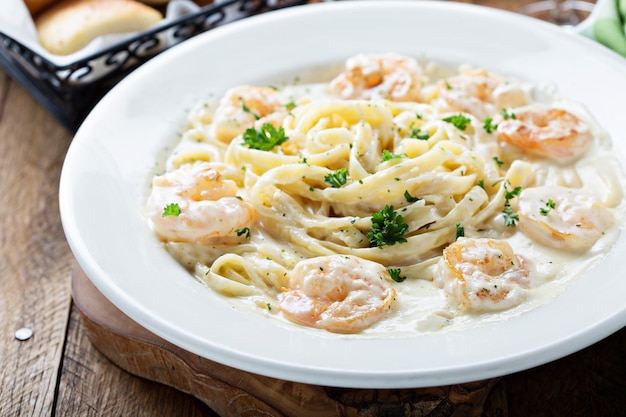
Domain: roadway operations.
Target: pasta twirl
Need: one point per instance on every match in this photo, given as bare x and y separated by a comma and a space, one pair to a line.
382, 169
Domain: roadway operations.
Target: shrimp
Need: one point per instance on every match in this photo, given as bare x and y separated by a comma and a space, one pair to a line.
546, 131
386, 76
244, 107
207, 204
338, 293
562, 218
477, 92
482, 275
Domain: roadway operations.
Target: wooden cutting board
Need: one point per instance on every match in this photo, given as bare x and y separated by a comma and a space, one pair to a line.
234, 393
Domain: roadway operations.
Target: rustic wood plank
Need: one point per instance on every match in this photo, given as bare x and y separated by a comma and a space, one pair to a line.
235, 393
35, 259
91, 385
49, 375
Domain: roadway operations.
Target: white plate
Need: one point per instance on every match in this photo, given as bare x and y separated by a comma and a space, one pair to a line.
103, 180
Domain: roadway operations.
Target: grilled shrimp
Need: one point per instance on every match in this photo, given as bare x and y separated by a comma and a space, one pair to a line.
244, 107
562, 218
194, 203
338, 293
386, 76
477, 92
546, 131
482, 275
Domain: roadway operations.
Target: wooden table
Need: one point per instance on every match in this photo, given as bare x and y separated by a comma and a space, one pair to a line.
58, 372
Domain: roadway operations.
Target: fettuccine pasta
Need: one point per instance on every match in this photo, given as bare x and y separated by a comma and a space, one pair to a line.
384, 200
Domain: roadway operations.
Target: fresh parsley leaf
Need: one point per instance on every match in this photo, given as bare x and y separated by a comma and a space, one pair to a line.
387, 156
394, 273
409, 198
338, 178
506, 114
265, 138
388, 228
417, 133
498, 161
488, 125
246, 109
549, 206
460, 231
459, 121
172, 209
244, 231
510, 217
511, 194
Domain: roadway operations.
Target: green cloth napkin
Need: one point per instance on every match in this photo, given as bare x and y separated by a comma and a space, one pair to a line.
609, 25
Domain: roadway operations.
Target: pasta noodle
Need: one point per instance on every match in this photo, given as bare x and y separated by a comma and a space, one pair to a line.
382, 165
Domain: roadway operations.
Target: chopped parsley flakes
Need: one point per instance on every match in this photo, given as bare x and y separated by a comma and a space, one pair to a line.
388, 156
510, 217
244, 231
417, 133
506, 114
265, 138
409, 198
388, 228
338, 178
488, 125
549, 206
172, 209
459, 121
394, 273
460, 231
246, 109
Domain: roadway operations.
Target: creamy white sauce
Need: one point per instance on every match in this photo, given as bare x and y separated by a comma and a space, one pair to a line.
420, 307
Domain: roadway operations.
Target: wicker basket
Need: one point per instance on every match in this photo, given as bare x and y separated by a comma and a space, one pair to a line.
70, 91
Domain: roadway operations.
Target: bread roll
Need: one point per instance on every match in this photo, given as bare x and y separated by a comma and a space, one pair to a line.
35, 6
70, 25
155, 2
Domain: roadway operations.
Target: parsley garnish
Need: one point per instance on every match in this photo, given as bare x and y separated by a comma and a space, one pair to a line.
394, 273
460, 231
460, 121
549, 206
510, 217
417, 133
387, 156
410, 198
388, 228
172, 209
507, 114
498, 161
265, 138
488, 125
246, 109
338, 178
242, 231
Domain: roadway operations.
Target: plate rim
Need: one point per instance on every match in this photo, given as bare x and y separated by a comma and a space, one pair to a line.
330, 376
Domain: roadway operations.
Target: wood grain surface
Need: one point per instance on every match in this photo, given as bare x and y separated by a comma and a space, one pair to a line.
58, 372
